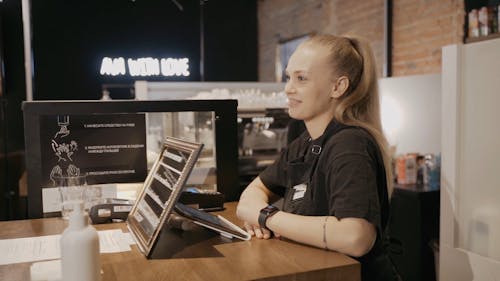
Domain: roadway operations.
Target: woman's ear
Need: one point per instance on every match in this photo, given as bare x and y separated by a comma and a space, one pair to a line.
340, 86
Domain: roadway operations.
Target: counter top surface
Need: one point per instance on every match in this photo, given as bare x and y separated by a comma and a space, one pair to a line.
256, 259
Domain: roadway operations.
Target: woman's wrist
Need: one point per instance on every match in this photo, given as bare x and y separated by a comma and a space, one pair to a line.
266, 213
273, 221
256, 212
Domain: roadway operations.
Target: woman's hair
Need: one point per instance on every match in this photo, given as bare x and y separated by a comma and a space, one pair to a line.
359, 105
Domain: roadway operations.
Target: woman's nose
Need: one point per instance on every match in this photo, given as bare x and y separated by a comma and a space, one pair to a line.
289, 88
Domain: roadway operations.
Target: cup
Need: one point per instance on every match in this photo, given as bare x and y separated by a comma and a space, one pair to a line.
71, 189
92, 195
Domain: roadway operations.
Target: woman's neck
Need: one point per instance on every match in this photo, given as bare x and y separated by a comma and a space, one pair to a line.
316, 126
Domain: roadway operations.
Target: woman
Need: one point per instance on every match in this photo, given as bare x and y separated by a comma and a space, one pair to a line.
335, 178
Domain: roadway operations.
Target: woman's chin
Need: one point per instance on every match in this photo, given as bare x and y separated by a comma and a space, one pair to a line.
294, 114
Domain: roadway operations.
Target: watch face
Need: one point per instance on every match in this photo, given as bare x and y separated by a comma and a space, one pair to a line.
270, 209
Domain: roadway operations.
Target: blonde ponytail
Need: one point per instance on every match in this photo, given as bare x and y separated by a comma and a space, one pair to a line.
360, 105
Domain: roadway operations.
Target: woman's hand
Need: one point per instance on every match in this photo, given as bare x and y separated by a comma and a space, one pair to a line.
250, 215
255, 197
252, 200
258, 232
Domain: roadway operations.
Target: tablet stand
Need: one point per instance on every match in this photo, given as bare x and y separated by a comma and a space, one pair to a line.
194, 243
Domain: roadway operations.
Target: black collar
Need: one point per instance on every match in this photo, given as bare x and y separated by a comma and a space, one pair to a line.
316, 146
331, 129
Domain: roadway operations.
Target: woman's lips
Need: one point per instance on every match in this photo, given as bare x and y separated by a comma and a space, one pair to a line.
293, 102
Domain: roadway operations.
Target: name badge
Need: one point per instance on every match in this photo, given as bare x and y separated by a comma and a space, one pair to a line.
300, 190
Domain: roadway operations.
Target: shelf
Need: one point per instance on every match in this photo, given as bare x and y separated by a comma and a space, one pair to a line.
482, 38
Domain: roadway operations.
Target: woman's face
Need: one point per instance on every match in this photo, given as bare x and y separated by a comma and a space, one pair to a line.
309, 84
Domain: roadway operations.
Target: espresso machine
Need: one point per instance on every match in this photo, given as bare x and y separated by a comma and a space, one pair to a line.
262, 134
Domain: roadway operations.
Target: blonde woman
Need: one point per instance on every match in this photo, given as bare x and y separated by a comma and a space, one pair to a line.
335, 178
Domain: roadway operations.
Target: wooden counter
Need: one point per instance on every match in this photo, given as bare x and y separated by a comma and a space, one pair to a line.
256, 259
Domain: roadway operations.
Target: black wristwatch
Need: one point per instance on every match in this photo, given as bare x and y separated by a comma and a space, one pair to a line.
266, 213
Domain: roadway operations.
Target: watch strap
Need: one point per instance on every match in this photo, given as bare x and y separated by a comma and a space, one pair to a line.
266, 213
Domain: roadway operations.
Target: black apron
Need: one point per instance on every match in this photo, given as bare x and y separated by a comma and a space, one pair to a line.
376, 265
301, 171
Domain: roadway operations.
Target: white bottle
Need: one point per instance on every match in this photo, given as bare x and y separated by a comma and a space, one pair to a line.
80, 257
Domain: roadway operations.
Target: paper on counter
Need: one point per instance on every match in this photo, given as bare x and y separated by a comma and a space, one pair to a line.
48, 247
29, 249
46, 271
127, 237
113, 241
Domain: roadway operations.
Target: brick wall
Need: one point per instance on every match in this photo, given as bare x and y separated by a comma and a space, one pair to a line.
364, 18
286, 19
420, 29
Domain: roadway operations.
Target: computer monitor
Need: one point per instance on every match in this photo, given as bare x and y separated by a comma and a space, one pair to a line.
118, 141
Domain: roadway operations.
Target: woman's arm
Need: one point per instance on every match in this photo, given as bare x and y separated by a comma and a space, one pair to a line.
351, 236
255, 197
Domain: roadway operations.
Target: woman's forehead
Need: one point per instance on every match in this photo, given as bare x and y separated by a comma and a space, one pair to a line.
308, 57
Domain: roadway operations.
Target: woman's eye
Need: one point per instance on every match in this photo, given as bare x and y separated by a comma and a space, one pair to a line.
301, 78
287, 77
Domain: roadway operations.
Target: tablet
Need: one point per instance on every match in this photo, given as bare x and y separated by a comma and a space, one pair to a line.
216, 223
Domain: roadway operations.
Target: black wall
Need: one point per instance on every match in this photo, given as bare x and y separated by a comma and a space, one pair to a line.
69, 39
13, 92
231, 40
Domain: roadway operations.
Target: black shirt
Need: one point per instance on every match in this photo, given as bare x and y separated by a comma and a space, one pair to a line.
339, 174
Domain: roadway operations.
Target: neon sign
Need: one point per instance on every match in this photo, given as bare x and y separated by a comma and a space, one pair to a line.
145, 66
